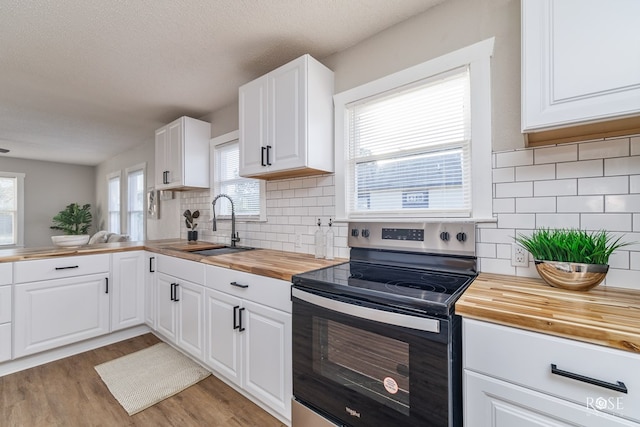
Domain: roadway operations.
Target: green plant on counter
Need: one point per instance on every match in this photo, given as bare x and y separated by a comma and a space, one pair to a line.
74, 219
571, 245
189, 218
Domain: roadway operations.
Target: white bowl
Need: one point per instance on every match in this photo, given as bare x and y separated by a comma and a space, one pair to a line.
70, 240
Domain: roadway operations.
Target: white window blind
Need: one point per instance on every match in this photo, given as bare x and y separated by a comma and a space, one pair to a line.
409, 150
113, 186
245, 192
135, 205
8, 210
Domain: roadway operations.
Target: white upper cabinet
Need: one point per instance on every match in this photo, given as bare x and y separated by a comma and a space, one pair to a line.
286, 121
580, 62
182, 154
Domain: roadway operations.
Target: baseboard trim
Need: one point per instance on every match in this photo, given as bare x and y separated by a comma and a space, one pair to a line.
33, 360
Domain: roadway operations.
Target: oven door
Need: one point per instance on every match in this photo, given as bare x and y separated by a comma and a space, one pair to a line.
363, 365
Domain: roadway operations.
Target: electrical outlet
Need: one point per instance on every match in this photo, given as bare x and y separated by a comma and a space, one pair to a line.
519, 256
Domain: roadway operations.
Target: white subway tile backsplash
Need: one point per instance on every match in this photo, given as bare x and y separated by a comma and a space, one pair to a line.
516, 220
636, 222
535, 204
514, 158
603, 149
635, 146
504, 205
497, 235
579, 169
514, 189
581, 204
486, 250
634, 184
497, 266
634, 258
535, 173
619, 259
606, 185
504, 175
557, 220
606, 221
619, 278
622, 203
558, 187
622, 166
503, 251
556, 154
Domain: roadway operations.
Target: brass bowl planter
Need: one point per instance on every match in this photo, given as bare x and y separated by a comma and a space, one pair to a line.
571, 275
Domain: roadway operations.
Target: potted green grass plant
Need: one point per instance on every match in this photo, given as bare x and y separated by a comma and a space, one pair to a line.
74, 221
570, 258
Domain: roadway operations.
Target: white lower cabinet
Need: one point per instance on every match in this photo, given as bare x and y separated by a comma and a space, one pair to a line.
6, 277
150, 290
53, 313
180, 313
127, 290
514, 377
248, 331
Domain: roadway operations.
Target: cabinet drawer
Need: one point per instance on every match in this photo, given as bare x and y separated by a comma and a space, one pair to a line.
5, 304
6, 273
526, 358
5, 342
191, 271
58, 268
263, 290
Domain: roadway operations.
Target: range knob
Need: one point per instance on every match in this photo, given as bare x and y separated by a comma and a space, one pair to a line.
354, 232
461, 237
365, 233
444, 236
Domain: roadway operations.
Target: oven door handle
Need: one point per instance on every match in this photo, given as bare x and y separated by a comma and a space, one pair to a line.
388, 317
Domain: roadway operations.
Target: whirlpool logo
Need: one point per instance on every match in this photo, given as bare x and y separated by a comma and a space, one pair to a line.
352, 412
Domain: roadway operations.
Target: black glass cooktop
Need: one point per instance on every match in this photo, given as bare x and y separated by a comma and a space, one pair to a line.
426, 291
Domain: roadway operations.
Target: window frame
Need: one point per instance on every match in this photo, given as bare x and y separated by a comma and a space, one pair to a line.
141, 167
110, 176
225, 139
478, 58
19, 231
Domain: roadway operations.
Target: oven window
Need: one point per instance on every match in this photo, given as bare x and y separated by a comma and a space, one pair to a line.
373, 365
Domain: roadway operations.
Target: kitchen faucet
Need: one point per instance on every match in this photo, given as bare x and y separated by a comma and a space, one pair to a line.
234, 236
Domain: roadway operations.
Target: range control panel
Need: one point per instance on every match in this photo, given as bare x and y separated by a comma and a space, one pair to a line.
437, 237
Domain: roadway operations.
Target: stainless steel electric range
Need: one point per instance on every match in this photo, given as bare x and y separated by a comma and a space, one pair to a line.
376, 341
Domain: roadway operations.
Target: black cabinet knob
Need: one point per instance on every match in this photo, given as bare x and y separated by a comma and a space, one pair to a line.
354, 232
444, 236
461, 237
365, 233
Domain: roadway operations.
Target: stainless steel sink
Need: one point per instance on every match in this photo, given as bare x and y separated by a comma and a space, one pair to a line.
221, 251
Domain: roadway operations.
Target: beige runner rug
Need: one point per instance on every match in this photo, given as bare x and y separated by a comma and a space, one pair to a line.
142, 379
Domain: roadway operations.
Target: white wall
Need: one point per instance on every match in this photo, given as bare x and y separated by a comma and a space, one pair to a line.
48, 188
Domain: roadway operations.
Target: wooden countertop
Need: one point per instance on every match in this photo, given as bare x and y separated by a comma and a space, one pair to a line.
265, 262
604, 315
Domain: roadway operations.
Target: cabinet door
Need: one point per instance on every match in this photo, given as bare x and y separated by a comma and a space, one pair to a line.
174, 158
5, 304
166, 307
5, 342
252, 117
190, 336
223, 342
577, 62
127, 296
54, 313
288, 116
161, 166
267, 356
489, 402
150, 290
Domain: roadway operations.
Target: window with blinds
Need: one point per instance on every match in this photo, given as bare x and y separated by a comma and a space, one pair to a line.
113, 189
8, 210
245, 192
135, 204
409, 149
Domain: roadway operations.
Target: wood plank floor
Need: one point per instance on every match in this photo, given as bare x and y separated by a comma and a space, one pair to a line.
69, 392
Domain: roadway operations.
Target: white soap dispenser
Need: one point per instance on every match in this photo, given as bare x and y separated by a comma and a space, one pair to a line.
319, 241
329, 241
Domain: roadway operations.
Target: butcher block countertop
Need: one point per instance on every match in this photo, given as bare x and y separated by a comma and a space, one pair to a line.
604, 315
265, 262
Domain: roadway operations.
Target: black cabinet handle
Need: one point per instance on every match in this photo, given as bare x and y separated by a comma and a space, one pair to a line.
151, 270
175, 292
240, 328
235, 317
262, 151
165, 177
171, 292
106, 287
239, 285
268, 150
615, 387
67, 268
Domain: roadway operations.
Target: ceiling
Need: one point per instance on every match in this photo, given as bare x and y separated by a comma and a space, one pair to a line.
81, 81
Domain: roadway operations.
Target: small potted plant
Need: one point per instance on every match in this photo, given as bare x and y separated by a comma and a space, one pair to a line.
192, 233
569, 258
74, 221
